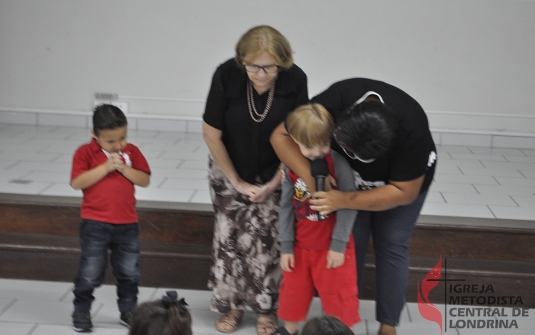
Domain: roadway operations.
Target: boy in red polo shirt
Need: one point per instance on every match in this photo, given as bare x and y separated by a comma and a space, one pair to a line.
106, 170
317, 253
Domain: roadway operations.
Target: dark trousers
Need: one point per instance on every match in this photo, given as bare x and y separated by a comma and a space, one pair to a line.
391, 231
96, 238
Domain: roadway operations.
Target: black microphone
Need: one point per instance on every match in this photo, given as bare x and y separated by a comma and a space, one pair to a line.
319, 169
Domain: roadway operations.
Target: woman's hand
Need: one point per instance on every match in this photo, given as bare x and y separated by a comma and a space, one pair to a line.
327, 202
246, 189
265, 190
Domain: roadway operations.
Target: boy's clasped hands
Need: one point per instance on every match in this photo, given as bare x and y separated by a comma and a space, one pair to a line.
114, 162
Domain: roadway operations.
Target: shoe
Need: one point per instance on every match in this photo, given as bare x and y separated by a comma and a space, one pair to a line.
126, 318
229, 321
266, 324
81, 322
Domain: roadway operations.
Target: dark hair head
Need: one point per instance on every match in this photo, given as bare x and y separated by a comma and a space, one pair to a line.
367, 129
108, 117
264, 38
161, 317
325, 325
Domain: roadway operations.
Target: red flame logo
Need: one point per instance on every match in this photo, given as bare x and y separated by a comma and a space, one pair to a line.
431, 280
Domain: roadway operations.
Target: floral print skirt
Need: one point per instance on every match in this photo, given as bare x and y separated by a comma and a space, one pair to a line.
245, 274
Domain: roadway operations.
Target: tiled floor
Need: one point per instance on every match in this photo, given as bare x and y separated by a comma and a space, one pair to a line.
494, 185
43, 308
473, 185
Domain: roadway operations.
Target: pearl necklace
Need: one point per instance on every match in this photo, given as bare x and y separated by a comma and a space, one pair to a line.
251, 104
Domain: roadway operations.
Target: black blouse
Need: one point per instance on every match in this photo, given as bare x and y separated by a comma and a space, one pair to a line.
247, 141
413, 153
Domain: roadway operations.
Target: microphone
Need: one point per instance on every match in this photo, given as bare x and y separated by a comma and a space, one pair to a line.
319, 170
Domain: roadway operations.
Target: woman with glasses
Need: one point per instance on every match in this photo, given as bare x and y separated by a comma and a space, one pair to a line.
250, 95
384, 135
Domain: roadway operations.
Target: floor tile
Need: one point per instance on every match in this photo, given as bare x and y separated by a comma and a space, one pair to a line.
506, 172
458, 210
504, 190
462, 179
32, 188
165, 195
62, 190
520, 159
48, 176
38, 311
438, 186
17, 328
201, 197
31, 290
164, 163
453, 148
492, 151
43, 166
525, 202
186, 184
508, 165
516, 182
513, 213
435, 197
486, 157
67, 330
477, 199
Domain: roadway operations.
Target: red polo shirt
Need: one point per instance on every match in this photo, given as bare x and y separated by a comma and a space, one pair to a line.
111, 199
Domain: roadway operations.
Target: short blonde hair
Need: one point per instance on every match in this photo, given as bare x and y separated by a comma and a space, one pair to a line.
264, 38
310, 125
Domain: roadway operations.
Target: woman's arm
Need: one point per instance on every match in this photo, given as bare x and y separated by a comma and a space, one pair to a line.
212, 137
393, 194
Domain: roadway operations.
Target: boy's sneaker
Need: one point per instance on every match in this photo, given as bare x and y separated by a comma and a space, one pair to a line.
81, 322
126, 318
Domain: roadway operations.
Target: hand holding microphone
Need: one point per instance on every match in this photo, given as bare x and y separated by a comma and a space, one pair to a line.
319, 170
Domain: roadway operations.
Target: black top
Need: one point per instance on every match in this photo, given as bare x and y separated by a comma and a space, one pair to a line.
413, 153
247, 141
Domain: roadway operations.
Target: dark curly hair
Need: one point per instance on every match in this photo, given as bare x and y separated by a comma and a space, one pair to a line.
367, 129
325, 325
156, 318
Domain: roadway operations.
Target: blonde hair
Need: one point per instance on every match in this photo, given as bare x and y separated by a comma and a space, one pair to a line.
264, 38
310, 125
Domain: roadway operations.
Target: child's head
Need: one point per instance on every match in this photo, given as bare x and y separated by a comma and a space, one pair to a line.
311, 127
325, 325
168, 316
109, 127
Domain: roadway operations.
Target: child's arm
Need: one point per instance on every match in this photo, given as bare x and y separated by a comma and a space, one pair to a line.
344, 217
286, 223
91, 177
137, 177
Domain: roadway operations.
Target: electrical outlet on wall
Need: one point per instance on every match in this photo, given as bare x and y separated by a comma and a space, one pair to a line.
121, 105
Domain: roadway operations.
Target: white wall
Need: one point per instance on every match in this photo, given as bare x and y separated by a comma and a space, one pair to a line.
456, 57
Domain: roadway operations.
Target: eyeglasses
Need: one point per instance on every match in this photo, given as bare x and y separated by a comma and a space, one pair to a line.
255, 68
351, 154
